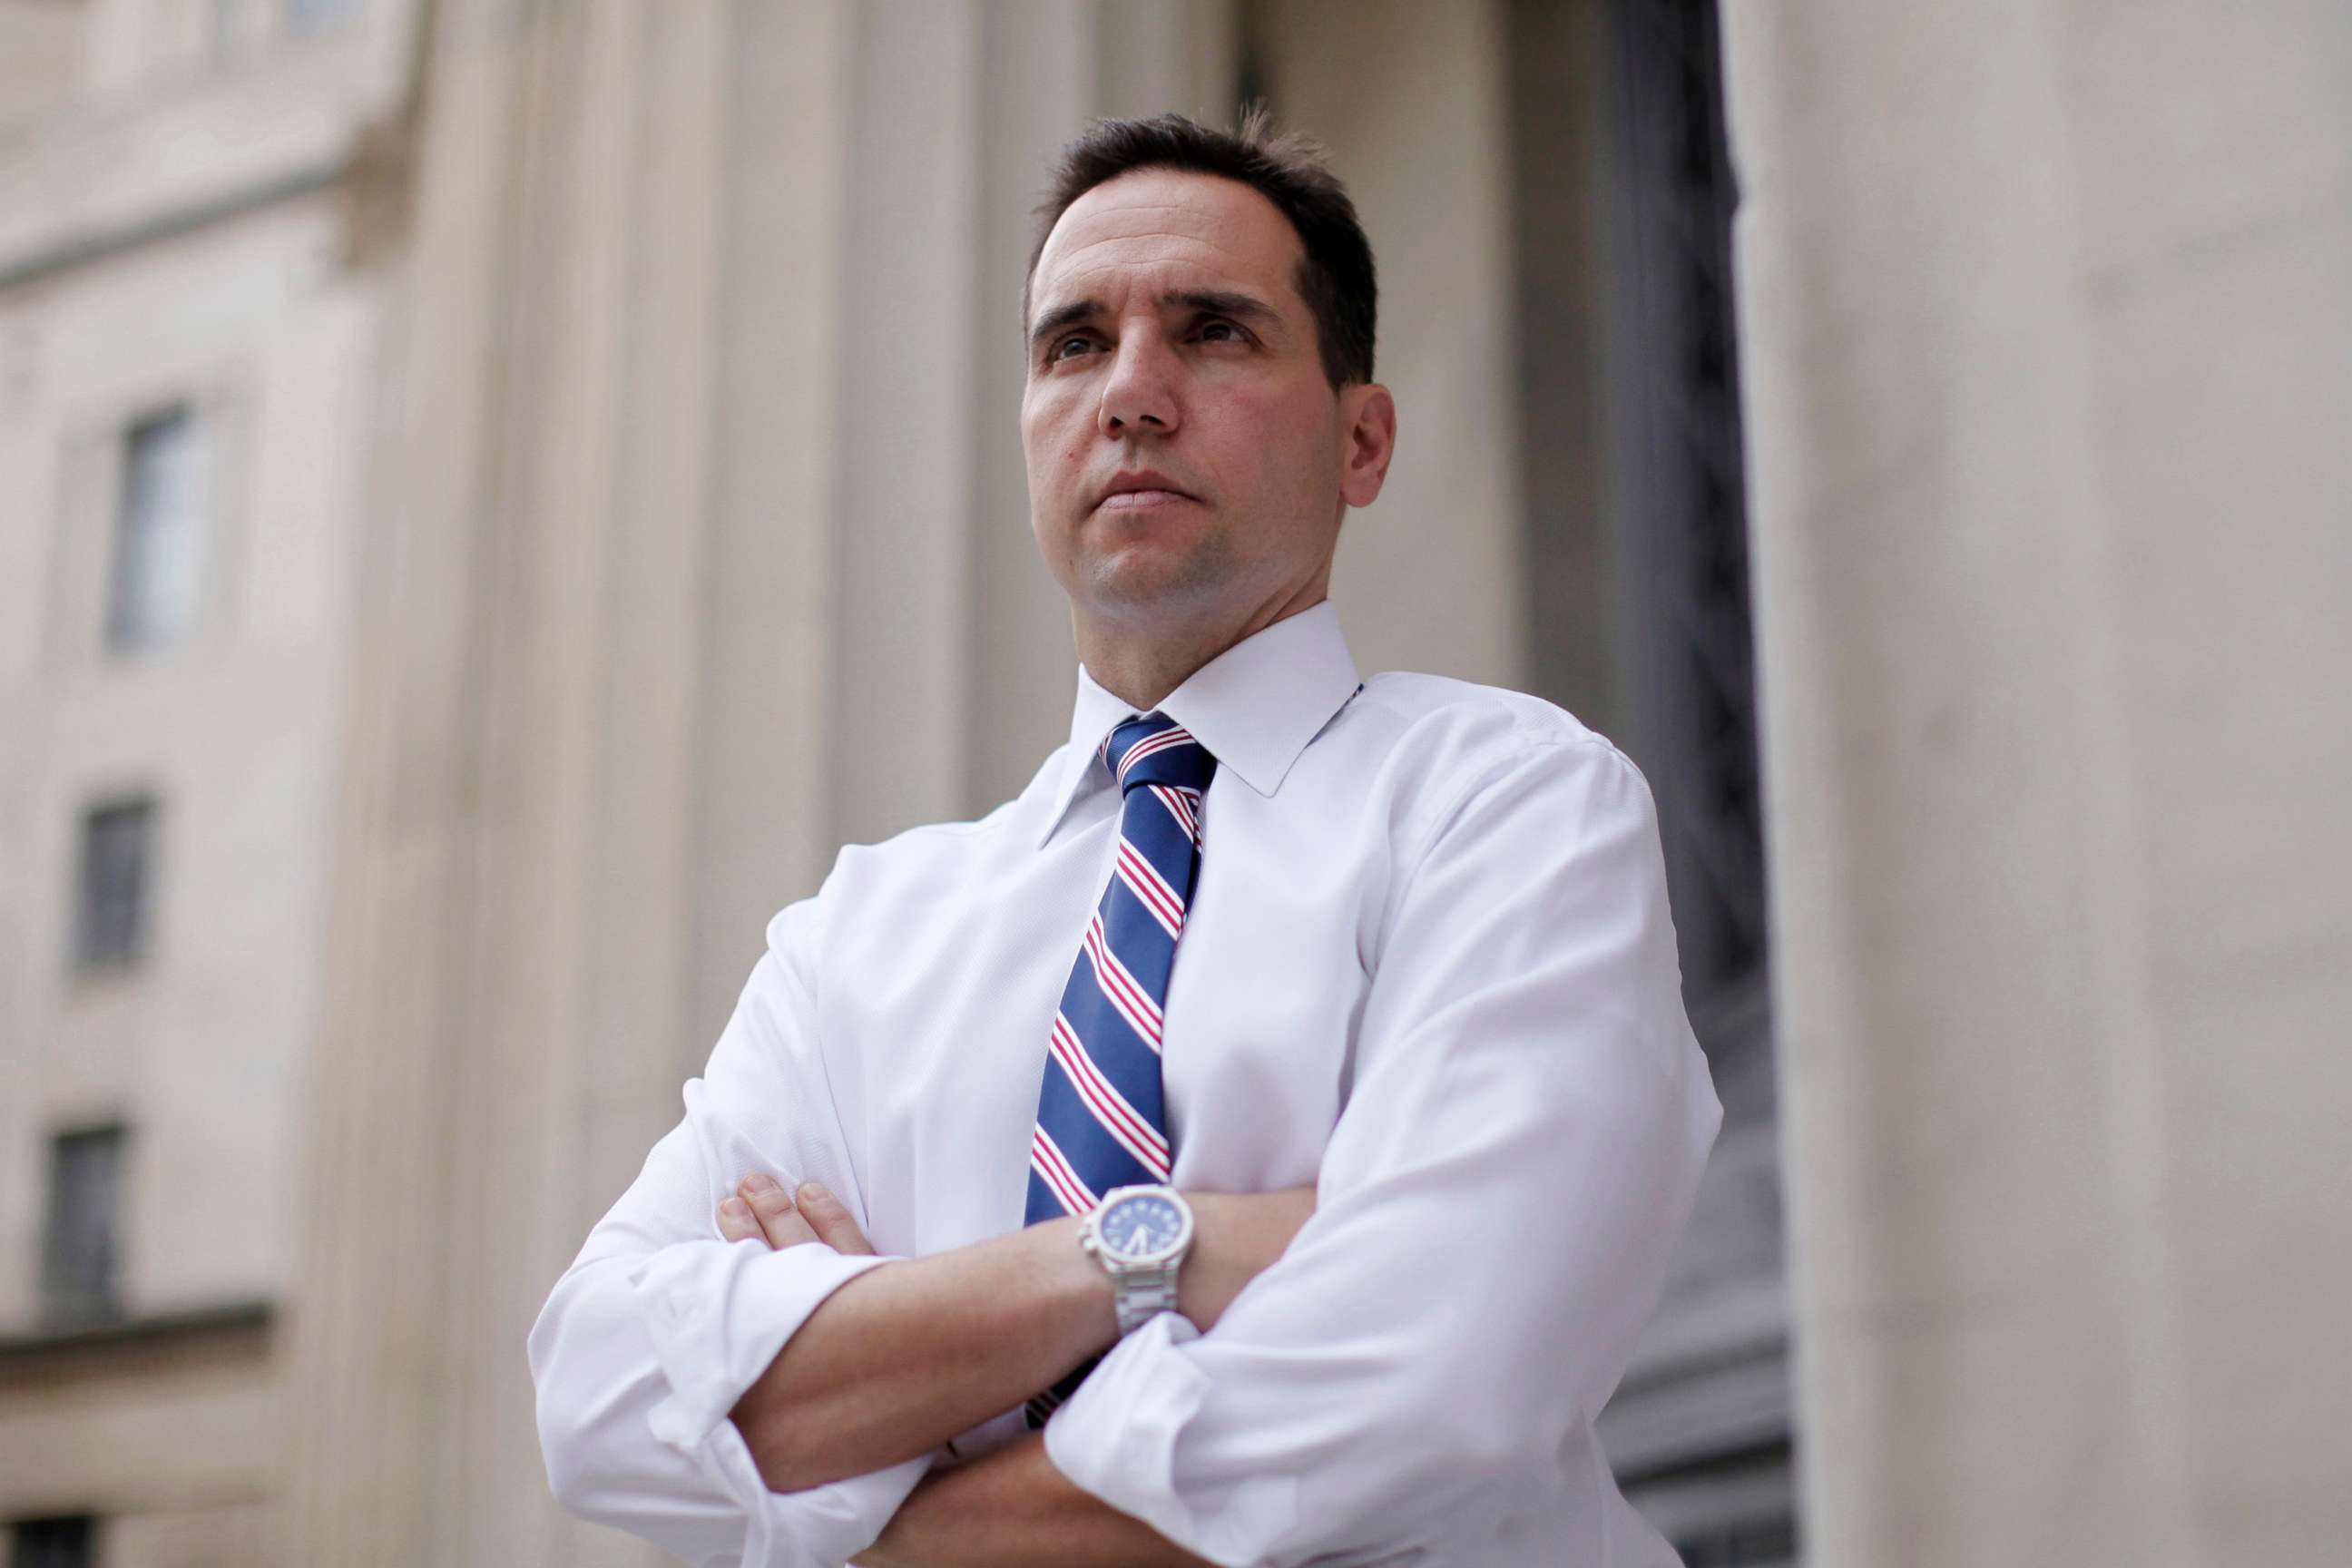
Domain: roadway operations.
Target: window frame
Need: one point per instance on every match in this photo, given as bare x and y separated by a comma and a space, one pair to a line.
97, 950
81, 1552
140, 620
66, 1299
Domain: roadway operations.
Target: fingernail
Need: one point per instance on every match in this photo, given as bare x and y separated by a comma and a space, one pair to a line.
809, 1190
761, 1183
735, 1208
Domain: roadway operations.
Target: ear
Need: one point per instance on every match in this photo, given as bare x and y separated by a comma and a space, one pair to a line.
1367, 426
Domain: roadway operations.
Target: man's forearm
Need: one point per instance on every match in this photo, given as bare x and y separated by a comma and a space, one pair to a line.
903, 1357
1016, 1510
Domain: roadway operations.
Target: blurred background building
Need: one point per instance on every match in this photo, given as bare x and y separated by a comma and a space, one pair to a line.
491, 490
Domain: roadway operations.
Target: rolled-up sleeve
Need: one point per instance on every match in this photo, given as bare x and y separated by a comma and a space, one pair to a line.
659, 1327
1496, 1208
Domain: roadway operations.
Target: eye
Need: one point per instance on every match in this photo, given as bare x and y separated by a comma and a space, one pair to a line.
1062, 346
1217, 330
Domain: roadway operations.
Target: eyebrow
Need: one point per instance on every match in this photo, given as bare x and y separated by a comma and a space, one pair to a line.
1212, 301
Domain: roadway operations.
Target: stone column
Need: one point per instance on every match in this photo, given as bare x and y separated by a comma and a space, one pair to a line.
682, 563
2048, 367
550, 720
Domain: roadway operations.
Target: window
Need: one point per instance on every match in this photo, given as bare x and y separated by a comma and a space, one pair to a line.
69, 1541
159, 530
79, 1254
1769, 1544
117, 858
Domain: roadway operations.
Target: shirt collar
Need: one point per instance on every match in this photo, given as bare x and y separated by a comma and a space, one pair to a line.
1255, 706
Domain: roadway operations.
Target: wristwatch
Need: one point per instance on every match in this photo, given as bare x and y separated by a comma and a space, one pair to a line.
1139, 1236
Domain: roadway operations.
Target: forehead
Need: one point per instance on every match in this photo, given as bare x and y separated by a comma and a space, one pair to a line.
1163, 229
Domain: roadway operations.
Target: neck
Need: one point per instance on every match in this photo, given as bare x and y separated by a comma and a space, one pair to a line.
1140, 664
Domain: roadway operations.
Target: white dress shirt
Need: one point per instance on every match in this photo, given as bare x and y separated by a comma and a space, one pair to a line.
1428, 968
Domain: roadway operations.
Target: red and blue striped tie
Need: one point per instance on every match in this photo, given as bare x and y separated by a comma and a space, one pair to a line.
1101, 1120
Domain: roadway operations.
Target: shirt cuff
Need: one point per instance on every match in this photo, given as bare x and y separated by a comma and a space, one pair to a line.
823, 1527
1116, 1437
718, 1313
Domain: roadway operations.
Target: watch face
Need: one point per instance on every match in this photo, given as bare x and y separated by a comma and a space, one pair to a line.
1140, 1226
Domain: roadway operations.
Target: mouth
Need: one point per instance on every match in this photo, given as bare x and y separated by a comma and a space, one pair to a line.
1143, 501
1141, 491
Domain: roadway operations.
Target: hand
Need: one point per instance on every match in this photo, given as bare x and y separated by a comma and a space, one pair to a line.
762, 1210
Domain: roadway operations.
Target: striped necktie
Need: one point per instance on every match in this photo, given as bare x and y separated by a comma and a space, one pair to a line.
1102, 1121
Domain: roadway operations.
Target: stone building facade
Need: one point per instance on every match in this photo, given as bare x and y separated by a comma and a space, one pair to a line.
498, 490
188, 359
2047, 334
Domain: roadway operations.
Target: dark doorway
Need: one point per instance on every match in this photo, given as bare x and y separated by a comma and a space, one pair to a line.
1638, 602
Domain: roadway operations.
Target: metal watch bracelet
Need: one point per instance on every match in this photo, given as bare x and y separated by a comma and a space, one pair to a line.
1142, 1295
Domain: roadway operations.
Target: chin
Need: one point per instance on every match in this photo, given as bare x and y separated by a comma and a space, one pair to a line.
1141, 578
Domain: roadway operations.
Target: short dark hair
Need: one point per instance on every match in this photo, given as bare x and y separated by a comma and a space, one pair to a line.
1336, 276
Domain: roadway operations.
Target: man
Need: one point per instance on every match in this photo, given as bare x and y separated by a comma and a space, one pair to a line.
1343, 1018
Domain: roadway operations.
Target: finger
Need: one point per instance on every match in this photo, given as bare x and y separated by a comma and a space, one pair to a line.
737, 1223
831, 1217
772, 1206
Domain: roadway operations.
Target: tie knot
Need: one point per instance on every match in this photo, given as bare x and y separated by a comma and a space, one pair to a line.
1155, 748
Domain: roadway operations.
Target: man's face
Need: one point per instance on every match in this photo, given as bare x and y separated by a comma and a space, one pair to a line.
1188, 459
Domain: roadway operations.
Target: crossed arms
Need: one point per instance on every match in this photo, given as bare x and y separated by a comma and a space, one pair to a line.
901, 1360
1494, 1207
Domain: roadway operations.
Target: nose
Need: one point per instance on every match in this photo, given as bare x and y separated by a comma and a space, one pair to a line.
1140, 395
